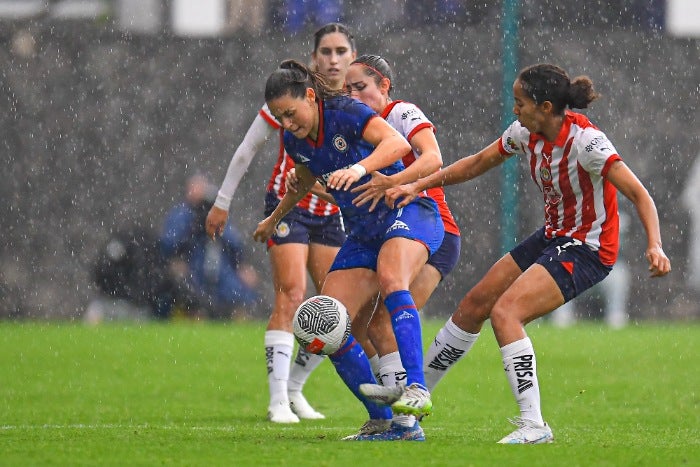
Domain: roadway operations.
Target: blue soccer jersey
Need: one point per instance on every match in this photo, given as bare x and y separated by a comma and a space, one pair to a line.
339, 145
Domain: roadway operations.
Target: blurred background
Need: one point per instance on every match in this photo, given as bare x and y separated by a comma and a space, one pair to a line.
110, 106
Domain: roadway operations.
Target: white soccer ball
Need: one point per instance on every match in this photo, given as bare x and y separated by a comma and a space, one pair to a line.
321, 324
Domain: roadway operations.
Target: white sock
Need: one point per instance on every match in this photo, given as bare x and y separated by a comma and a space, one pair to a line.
392, 373
278, 354
303, 365
521, 370
374, 364
450, 344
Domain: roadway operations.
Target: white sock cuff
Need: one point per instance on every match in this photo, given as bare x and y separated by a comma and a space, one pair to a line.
459, 333
390, 362
279, 338
374, 364
516, 347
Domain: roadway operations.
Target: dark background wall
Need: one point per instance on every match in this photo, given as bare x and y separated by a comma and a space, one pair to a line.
100, 129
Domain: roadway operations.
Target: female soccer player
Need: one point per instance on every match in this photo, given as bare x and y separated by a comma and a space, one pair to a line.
308, 238
370, 79
337, 140
579, 172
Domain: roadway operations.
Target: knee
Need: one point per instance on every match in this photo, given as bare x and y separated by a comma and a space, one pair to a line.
291, 294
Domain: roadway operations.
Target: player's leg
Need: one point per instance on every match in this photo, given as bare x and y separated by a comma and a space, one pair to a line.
289, 281
354, 288
326, 235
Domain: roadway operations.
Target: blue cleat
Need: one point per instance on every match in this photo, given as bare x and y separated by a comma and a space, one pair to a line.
396, 433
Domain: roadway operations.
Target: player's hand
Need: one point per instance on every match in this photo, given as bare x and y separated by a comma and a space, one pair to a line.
659, 264
373, 191
264, 231
291, 183
342, 179
216, 221
403, 194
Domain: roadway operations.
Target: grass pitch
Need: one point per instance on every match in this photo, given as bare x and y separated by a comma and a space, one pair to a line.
196, 394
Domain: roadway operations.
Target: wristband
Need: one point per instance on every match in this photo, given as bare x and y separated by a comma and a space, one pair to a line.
359, 168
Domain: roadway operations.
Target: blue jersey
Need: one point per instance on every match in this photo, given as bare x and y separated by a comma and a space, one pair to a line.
339, 145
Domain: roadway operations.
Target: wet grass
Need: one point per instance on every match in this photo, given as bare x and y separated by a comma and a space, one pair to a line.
196, 394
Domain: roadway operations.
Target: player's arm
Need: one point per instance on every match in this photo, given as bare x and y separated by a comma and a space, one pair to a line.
429, 159
389, 145
464, 169
291, 183
629, 185
255, 137
266, 227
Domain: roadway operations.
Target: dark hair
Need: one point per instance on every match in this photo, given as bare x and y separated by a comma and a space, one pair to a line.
330, 28
376, 67
293, 78
545, 82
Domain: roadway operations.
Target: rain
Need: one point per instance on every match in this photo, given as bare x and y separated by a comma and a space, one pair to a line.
109, 107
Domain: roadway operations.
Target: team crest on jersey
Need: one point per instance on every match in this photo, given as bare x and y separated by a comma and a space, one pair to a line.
282, 229
545, 174
510, 142
339, 143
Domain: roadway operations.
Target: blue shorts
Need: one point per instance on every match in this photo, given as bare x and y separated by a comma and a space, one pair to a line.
300, 226
573, 265
418, 221
446, 257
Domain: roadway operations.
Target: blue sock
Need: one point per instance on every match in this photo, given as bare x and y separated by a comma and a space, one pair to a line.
352, 365
407, 329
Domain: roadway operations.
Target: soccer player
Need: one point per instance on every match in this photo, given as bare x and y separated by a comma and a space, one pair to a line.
307, 238
370, 79
338, 140
579, 172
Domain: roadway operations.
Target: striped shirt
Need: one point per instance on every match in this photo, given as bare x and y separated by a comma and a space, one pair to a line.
570, 172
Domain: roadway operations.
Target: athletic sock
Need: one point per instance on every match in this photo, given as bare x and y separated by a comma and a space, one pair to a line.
279, 346
521, 370
450, 344
374, 364
303, 365
352, 366
405, 321
393, 374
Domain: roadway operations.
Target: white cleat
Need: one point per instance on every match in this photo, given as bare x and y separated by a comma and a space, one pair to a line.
528, 432
380, 394
281, 413
302, 408
372, 426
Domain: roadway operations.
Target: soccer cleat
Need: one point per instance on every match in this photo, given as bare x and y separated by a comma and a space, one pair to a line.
396, 433
528, 432
281, 413
380, 394
415, 400
301, 407
370, 427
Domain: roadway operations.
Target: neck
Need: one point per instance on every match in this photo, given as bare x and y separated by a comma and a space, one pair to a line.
553, 127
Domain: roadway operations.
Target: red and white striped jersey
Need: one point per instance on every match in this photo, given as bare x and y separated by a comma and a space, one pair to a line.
408, 120
578, 201
284, 163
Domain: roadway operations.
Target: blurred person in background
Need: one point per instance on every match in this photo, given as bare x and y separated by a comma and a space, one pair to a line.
213, 268
296, 15
691, 201
306, 239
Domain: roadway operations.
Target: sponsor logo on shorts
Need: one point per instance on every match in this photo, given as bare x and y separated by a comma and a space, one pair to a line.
282, 229
398, 225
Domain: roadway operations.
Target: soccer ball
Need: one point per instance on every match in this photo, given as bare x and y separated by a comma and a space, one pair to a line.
321, 325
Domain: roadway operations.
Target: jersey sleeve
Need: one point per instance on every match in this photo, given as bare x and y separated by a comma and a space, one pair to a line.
514, 140
358, 116
596, 152
259, 132
409, 120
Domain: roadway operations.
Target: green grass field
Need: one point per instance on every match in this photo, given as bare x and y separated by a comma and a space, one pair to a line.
196, 394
